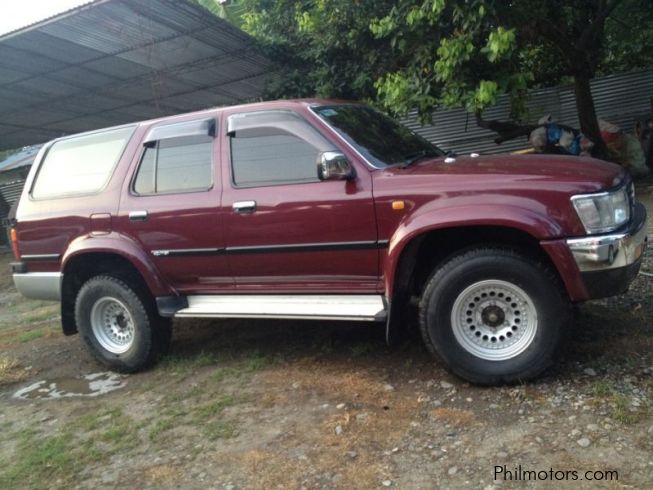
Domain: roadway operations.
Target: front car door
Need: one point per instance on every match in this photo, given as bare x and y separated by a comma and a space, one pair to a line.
287, 231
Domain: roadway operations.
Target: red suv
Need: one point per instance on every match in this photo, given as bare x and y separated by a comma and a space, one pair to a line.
322, 210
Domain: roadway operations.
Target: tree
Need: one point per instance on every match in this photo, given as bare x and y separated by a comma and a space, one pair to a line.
410, 54
231, 11
323, 48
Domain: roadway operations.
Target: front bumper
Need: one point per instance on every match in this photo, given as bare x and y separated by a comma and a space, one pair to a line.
609, 263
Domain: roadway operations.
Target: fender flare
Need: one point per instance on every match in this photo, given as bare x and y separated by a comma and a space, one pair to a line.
117, 244
416, 226
537, 225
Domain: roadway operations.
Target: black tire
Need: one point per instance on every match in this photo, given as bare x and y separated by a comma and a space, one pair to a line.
148, 335
456, 284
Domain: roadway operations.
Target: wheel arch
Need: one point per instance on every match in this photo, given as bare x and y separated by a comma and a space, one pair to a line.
474, 225
408, 271
102, 256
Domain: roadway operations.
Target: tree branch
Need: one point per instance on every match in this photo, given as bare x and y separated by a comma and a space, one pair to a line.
587, 37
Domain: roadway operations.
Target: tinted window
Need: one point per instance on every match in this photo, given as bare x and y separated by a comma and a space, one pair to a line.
380, 139
259, 158
181, 164
80, 165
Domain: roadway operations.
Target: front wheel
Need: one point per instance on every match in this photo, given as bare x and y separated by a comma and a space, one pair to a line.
118, 324
494, 315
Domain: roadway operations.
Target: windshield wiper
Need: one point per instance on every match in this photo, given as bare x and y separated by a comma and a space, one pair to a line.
414, 157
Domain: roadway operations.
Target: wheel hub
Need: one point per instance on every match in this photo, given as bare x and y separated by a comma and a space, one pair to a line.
493, 316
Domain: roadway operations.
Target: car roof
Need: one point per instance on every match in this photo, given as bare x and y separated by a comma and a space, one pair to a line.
264, 105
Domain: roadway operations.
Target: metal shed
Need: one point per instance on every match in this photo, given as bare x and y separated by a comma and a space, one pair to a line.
110, 62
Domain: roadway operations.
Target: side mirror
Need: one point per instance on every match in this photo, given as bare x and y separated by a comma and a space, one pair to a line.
333, 165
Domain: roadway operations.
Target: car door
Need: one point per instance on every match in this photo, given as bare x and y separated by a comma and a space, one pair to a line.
286, 229
171, 205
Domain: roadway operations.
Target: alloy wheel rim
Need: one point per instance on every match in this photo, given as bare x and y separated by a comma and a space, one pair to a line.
112, 325
494, 320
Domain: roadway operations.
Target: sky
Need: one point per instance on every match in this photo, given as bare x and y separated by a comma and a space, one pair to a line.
20, 13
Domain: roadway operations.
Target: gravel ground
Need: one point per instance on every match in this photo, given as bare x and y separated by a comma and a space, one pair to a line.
263, 404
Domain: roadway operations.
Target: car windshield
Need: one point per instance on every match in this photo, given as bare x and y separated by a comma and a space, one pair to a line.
380, 139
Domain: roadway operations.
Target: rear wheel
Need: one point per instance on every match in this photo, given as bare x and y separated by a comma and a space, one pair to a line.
118, 324
494, 315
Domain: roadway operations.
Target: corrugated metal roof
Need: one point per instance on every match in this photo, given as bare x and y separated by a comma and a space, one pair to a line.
620, 99
115, 61
23, 158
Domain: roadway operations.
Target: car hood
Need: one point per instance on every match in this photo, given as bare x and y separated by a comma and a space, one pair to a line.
537, 187
575, 174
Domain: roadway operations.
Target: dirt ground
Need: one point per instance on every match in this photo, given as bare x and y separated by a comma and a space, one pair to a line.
277, 404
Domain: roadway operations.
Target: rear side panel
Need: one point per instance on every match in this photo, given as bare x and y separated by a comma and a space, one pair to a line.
46, 227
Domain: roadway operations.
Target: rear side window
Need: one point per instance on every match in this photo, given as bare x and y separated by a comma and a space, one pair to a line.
80, 165
179, 162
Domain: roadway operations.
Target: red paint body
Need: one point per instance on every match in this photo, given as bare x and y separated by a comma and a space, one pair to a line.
527, 193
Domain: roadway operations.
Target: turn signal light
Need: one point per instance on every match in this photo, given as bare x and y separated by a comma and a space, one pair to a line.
398, 205
13, 236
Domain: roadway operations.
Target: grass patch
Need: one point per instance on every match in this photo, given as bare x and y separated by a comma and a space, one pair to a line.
30, 335
25, 312
38, 461
601, 388
362, 349
120, 432
94, 421
41, 315
159, 427
222, 373
250, 363
209, 418
607, 393
184, 365
220, 429
51, 461
180, 395
621, 412
214, 408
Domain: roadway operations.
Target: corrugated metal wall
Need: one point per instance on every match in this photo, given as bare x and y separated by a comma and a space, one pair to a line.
11, 191
619, 99
9, 194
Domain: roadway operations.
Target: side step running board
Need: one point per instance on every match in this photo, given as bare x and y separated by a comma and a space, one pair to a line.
312, 307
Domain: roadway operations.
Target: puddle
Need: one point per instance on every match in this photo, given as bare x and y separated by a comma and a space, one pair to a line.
88, 385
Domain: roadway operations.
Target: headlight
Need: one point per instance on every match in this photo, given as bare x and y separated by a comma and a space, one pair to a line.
603, 212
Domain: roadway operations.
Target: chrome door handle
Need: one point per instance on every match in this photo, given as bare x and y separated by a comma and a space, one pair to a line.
241, 207
137, 215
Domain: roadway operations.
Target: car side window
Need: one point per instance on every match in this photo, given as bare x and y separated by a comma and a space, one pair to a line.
176, 160
80, 165
272, 148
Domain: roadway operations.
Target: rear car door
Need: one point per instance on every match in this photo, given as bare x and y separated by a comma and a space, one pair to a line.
171, 204
287, 231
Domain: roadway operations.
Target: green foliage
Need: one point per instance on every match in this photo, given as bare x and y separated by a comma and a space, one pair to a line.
30, 335
322, 48
628, 38
421, 54
231, 11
